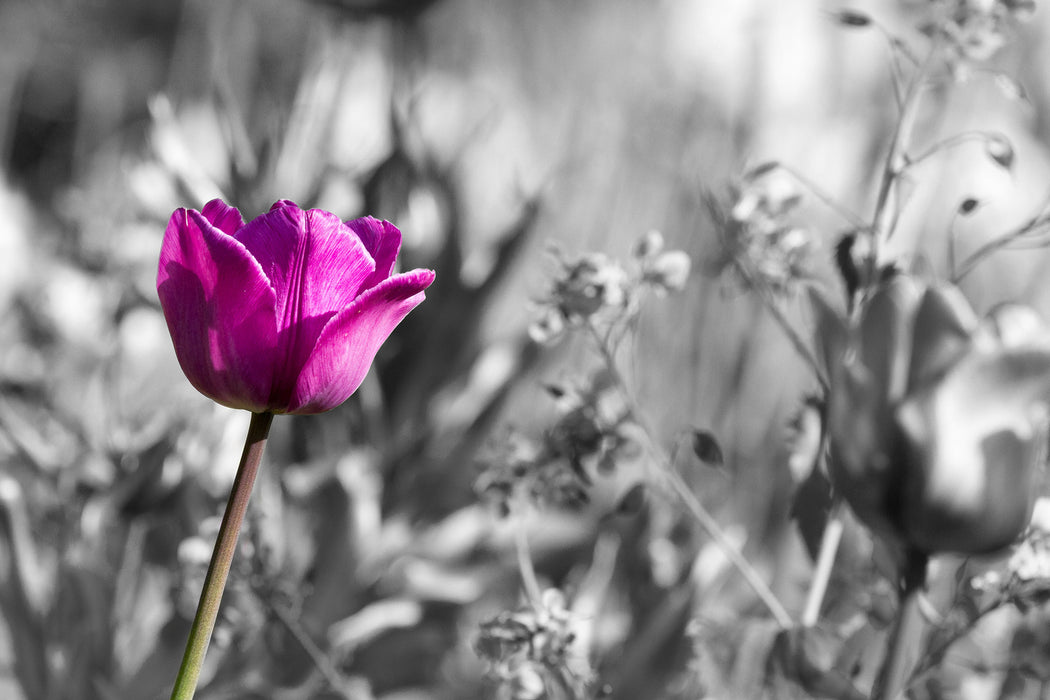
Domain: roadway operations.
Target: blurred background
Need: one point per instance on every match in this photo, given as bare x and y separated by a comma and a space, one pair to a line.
485, 129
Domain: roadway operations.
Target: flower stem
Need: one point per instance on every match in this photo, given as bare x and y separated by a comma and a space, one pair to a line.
1034, 225
222, 557
707, 521
769, 302
529, 581
902, 647
681, 489
829, 545
896, 161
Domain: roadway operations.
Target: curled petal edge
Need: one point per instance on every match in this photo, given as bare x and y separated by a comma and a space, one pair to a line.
350, 341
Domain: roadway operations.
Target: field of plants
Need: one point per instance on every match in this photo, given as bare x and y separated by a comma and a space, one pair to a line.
662, 349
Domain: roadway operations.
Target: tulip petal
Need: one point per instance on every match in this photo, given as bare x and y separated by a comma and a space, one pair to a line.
315, 264
350, 341
973, 438
886, 335
220, 310
223, 217
317, 267
863, 463
944, 324
382, 240
993, 516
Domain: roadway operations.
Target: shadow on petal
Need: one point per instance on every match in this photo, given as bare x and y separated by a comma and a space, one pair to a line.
992, 519
222, 353
220, 311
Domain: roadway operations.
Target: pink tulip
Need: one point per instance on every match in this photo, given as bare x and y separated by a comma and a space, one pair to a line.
286, 313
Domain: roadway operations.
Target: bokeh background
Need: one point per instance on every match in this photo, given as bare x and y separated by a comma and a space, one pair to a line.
485, 129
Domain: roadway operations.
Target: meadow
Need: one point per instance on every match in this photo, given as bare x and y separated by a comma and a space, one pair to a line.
732, 382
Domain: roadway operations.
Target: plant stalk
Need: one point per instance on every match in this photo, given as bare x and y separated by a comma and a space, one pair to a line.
829, 546
902, 647
222, 558
529, 580
702, 516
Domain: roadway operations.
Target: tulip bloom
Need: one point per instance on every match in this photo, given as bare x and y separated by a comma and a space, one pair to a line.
286, 313
937, 421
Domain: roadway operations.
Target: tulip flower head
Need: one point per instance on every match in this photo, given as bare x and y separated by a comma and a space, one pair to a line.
286, 313
938, 421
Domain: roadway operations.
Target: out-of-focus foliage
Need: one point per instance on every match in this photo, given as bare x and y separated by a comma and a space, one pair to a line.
484, 129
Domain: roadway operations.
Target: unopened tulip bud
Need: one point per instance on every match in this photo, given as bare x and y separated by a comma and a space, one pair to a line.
938, 421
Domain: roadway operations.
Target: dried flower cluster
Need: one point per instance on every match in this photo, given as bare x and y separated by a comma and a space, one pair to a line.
760, 240
595, 289
591, 432
974, 30
530, 651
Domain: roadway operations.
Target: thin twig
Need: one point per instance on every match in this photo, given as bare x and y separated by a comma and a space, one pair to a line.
934, 654
951, 142
897, 49
881, 227
336, 680
1040, 220
529, 580
829, 545
769, 302
704, 518
715, 531
826, 199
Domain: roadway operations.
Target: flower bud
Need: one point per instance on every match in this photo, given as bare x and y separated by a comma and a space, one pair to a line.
938, 421
284, 313
649, 245
669, 271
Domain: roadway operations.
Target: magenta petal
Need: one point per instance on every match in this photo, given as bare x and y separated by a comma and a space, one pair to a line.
220, 311
314, 262
350, 341
282, 203
382, 240
317, 267
223, 217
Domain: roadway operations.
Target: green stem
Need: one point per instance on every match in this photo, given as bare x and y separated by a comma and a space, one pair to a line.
902, 648
222, 557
